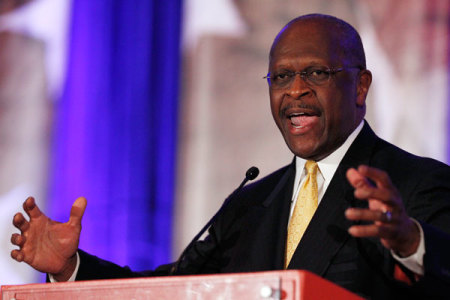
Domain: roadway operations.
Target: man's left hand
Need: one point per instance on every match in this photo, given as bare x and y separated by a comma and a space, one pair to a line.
385, 211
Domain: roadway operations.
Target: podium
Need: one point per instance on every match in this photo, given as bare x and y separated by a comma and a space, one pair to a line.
284, 285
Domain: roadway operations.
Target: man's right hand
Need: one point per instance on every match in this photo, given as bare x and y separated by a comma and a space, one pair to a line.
46, 245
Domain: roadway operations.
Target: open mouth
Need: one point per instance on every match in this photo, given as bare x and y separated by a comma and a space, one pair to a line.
300, 120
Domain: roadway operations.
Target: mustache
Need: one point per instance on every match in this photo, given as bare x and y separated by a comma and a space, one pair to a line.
314, 109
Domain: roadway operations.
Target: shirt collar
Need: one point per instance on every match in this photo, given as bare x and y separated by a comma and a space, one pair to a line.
329, 164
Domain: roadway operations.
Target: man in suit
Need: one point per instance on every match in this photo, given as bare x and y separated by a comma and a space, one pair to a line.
373, 215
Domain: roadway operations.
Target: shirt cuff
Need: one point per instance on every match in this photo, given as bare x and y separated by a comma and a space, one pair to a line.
414, 262
74, 274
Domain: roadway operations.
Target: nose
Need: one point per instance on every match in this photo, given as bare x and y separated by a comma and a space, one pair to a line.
299, 87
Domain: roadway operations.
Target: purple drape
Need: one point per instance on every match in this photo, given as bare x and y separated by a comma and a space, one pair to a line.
115, 128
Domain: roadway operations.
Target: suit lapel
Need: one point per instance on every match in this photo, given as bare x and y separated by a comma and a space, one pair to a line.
262, 243
327, 231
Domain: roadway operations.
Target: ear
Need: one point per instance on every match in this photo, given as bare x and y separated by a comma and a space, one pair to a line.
363, 84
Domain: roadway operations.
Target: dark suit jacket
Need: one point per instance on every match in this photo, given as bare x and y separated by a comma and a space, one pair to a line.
250, 234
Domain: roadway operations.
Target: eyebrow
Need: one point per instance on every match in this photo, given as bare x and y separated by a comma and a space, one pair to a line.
290, 66
308, 60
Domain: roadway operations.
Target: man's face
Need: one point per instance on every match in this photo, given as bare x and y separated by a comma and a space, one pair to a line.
315, 119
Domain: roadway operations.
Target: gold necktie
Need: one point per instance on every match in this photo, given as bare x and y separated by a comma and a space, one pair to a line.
304, 209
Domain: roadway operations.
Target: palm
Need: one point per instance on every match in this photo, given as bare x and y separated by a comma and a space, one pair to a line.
49, 244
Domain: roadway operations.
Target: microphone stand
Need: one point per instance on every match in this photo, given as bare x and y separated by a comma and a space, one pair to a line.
251, 174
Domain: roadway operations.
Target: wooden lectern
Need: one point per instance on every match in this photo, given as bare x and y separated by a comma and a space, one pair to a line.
284, 285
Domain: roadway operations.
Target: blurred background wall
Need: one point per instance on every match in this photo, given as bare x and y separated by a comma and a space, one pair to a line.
154, 110
32, 67
226, 121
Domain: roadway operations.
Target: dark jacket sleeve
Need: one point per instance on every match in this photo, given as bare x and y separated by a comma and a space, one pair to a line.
202, 258
92, 267
434, 217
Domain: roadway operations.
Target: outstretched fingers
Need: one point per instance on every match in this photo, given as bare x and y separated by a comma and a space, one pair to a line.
385, 213
46, 245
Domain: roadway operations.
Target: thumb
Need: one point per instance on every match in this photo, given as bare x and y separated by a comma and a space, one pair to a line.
77, 211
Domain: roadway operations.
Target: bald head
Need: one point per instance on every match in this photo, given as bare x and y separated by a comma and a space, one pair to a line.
335, 32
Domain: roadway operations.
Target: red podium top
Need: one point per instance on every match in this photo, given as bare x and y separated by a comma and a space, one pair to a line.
260, 285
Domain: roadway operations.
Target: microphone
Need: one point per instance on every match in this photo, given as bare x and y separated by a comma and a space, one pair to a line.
251, 174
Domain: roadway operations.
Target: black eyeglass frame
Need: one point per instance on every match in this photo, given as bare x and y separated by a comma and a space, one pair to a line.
306, 75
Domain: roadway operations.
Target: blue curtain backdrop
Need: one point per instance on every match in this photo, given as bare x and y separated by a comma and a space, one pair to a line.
115, 128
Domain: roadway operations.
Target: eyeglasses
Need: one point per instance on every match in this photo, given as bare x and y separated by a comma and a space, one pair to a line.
317, 75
